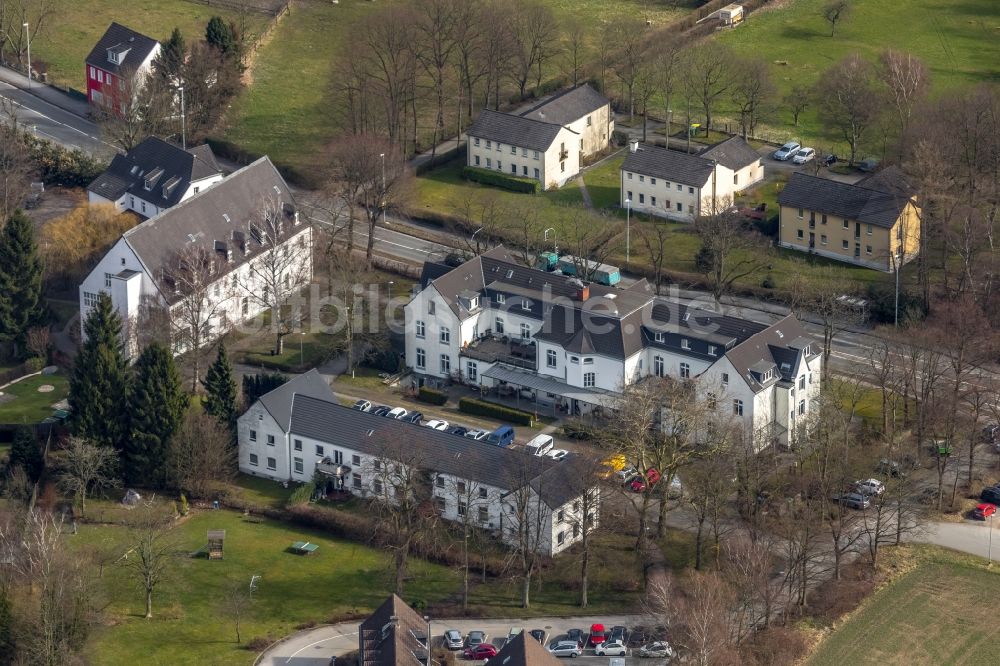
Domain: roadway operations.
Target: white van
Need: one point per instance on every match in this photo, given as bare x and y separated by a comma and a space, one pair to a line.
540, 445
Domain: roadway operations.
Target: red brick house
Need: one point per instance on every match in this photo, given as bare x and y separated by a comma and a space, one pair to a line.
121, 52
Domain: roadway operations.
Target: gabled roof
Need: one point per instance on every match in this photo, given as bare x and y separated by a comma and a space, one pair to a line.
433, 450
567, 106
768, 349
278, 402
734, 153
670, 165
214, 215
394, 635
514, 130
523, 650
117, 38
851, 202
169, 169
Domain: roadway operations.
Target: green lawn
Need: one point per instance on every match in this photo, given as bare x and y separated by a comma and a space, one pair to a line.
931, 615
29, 405
262, 492
189, 626
286, 113
959, 42
299, 353
604, 182
75, 27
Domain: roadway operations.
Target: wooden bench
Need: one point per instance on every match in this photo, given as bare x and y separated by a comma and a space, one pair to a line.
304, 548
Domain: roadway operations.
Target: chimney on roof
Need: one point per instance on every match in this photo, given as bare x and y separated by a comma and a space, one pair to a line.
633, 145
583, 292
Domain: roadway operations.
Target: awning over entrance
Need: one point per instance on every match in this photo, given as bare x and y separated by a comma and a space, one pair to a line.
332, 469
530, 380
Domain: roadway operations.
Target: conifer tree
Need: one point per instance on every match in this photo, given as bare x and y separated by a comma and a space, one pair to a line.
170, 61
220, 387
156, 406
21, 304
222, 36
25, 453
97, 387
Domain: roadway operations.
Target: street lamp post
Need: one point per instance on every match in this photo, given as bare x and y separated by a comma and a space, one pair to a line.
183, 120
302, 336
27, 31
382, 197
427, 619
989, 550
545, 237
628, 239
473, 237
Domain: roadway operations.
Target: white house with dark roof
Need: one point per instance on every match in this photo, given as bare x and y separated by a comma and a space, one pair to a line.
546, 142
676, 185
299, 431
561, 344
225, 226
120, 60
154, 176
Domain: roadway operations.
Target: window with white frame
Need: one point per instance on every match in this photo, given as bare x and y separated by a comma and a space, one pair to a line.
430, 307
356, 481
658, 366
253, 460
472, 371
421, 359
297, 465
419, 329
270, 440
550, 358
498, 325
445, 364
89, 299
484, 514
499, 298
525, 331
802, 406
298, 444
737, 407
253, 435
685, 344
525, 304
477, 140
658, 336
711, 350
319, 450
589, 379
444, 335
107, 280
272, 464
685, 371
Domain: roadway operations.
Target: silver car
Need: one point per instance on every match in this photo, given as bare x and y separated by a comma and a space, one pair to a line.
565, 649
453, 639
656, 649
786, 151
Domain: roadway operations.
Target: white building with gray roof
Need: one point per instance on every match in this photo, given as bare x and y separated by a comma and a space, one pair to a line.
559, 344
673, 184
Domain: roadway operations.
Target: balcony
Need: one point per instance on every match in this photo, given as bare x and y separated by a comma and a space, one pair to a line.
500, 349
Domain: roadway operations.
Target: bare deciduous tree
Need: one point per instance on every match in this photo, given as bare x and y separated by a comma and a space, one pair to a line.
629, 38
849, 100
730, 248
704, 611
834, 12
753, 93
151, 549
435, 24
86, 467
797, 101
905, 77
201, 454
534, 40
708, 75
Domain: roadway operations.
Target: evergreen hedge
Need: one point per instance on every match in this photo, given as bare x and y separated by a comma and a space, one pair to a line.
492, 409
502, 180
432, 396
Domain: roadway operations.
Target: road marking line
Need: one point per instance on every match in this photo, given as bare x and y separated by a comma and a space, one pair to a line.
306, 647
39, 113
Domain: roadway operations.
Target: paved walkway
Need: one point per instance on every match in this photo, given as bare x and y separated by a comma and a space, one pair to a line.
587, 201
44, 91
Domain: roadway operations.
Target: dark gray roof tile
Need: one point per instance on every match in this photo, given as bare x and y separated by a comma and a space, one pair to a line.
852, 202
119, 38
733, 153
514, 130
670, 165
567, 106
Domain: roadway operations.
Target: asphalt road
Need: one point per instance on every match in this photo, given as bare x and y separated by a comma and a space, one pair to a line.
314, 647
48, 121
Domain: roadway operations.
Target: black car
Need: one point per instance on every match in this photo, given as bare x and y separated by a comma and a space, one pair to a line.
829, 160
381, 410
413, 417
575, 635
619, 634
457, 430
991, 495
538, 635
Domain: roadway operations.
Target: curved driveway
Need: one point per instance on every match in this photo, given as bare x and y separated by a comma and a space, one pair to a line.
314, 647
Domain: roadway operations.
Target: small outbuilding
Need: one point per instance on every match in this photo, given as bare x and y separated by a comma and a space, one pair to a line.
731, 16
216, 544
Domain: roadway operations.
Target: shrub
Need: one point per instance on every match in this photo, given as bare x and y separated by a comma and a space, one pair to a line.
502, 180
34, 364
432, 396
184, 505
302, 494
492, 409
58, 166
577, 430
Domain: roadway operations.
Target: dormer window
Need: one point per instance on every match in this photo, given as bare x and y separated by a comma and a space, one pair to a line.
685, 344
658, 336
500, 298
525, 304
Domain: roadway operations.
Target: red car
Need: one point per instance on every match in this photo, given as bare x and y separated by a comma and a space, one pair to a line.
480, 652
983, 511
597, 635
638, 485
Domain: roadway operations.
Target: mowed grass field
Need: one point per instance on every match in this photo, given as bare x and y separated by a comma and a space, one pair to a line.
938, 613
76, 25
958, 41
189, 625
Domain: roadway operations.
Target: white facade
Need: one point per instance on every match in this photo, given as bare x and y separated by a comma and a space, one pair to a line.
551, 167
146, 208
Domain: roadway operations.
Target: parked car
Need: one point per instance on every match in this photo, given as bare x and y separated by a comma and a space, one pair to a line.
853, 500
575, 635
869, 487
458, 430
539, 445
381, 410
597, 635
565, 649
868, 165
539, 635
892, 468
437, 424
626, 474
481, 652
397, 413
611, 649
785, 153
453, 639
984, 511
514, 631
474, 638
758, 212
656, 649
618, 633
829, 160
413, 417
362, 406
476, 434
804, 155
990, 494
502, 436
557, 454
638, 484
